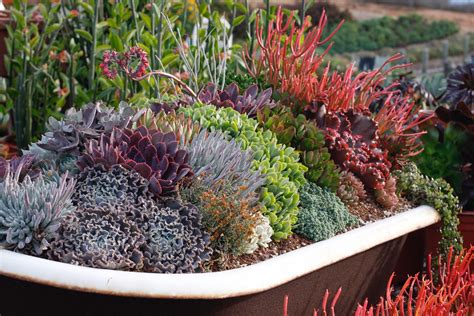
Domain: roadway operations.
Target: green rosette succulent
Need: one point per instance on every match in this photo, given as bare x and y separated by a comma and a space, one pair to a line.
284, 175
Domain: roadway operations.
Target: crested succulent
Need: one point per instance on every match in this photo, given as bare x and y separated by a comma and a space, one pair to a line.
71, 134
460, 87
322, 214
351, 189
308, 139
31, 211
116, 188
279, 194
153, 154
24, 165
98, 238
175, 241
435, 192
250, 102
219, 161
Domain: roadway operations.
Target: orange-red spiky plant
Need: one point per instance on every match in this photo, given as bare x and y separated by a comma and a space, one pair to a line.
399, 130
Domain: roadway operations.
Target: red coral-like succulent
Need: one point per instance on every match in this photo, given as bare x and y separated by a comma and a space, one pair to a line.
153, 154
353, 143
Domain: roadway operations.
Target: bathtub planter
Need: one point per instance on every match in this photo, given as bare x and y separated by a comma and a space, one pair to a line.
360, 261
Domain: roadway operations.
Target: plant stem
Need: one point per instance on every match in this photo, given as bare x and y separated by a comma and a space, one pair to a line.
92, 50
169, 76
267, 20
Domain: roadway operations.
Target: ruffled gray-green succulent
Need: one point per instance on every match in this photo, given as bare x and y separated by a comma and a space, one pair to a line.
218, 161
99, 238
113, 189
31, 211
175, 242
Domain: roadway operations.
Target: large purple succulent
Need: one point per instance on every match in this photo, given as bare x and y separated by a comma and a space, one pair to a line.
250, 102
153, 154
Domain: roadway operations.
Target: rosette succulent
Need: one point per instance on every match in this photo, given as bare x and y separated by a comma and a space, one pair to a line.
98, 238
71, 133
460, 87
284, 174
175, 241
151, 153
351, 189
31, 211
250, 102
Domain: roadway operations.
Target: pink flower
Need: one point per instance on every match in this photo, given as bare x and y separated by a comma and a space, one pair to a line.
135, 62
110, 64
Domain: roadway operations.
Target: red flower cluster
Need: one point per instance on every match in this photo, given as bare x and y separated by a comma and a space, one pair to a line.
133, 62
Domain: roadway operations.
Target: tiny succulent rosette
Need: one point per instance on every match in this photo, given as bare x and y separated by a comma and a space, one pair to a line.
153, 154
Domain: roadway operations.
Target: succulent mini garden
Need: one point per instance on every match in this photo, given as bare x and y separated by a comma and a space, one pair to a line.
143, 136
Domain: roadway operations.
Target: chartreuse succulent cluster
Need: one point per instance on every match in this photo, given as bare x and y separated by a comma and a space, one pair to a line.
308, 139
284, 175
322, 214
437, 193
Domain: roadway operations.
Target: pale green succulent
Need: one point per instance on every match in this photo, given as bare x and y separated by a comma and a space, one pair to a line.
31, 211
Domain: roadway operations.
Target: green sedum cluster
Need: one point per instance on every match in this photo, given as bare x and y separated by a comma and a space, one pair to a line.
284, 174
303, 135
435, 192
322, 214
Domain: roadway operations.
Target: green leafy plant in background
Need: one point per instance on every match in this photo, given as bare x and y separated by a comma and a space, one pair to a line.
322, 214
416, 187
54, 52
284, 174
442, 157
375, 34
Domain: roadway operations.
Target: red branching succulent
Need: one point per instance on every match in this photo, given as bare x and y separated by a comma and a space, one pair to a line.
289, 60
153, 154
399, 123
453, 294
288, 52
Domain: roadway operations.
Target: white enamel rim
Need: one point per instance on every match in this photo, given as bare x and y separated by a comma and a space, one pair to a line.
237, 282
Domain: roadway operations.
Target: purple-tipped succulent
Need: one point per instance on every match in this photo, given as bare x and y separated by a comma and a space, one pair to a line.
25, 165
153, 154
250, 102
71, 134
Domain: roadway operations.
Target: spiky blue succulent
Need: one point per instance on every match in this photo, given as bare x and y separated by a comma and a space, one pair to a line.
219, 161
31, 211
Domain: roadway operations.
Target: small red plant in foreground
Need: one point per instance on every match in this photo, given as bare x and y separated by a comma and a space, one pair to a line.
451, 294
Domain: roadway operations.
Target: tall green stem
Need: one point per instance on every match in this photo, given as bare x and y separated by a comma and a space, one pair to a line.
93, 45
